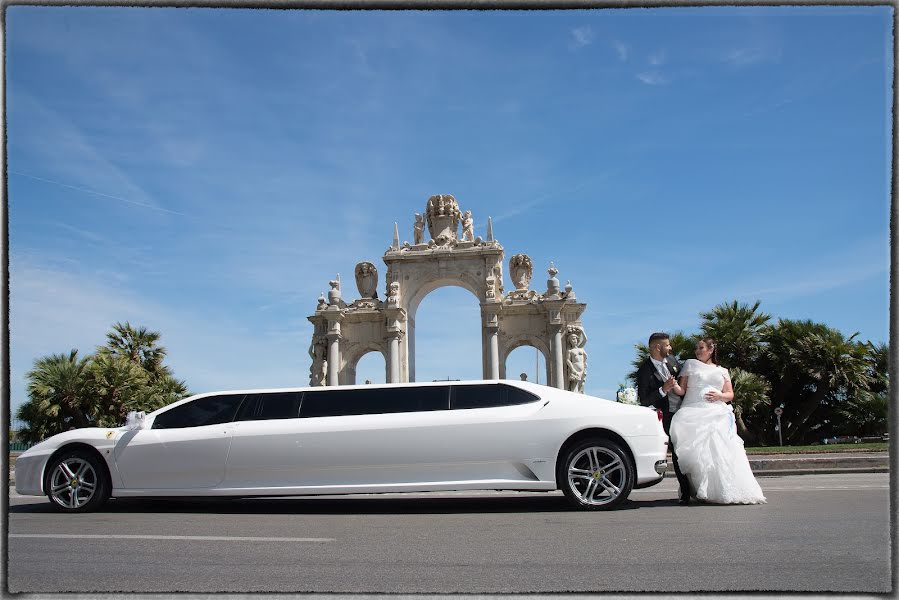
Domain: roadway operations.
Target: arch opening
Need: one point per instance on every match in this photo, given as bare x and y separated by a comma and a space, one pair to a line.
528, 360
444, 331
371, 368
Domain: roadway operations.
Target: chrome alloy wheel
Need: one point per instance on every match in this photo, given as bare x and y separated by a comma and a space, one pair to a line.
73, 483
596, 475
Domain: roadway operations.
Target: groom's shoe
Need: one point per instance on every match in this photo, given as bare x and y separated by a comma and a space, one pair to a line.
684, 499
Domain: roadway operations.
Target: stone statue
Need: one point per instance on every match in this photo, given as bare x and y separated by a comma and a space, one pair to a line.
467, 227
367, 280
393, 293
322, 303
521, 269
419, 228
498, 273
576, 359
319, 370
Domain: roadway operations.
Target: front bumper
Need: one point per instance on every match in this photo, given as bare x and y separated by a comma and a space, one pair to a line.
29, 475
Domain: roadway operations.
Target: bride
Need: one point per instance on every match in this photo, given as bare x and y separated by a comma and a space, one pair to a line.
704, 434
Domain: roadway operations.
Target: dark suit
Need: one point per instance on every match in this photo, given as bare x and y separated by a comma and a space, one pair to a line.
648, 383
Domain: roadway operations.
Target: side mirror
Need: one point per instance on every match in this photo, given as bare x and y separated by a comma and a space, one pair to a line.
135, 419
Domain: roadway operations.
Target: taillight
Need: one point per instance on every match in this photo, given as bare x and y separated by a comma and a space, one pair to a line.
659, 413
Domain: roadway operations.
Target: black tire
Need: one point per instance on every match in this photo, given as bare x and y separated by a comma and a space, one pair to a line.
596, 474
76, 481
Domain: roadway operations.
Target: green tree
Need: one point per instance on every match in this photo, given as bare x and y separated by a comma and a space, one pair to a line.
738, 330
866, 411
139, 345
59, 397
115, 382
751, 396
99, 390
810, 366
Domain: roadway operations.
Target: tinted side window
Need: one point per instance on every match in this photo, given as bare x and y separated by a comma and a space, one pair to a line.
374, 401
210, 410
488, 395
275, 405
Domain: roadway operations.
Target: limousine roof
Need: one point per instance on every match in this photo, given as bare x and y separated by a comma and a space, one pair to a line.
535, 388
367, 386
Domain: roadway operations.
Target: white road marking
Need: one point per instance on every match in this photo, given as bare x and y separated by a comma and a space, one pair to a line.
201, 538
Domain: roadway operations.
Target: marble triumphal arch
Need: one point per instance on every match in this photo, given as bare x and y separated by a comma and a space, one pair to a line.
549, 321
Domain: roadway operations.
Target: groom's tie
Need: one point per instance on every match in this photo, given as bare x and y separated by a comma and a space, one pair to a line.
665, 372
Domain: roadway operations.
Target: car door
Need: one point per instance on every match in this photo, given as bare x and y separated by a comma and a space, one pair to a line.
265, 442
184, 447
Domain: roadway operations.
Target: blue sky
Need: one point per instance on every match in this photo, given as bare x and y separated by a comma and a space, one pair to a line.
205, 172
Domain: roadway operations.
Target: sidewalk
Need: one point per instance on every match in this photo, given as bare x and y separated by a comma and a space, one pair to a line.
773, 465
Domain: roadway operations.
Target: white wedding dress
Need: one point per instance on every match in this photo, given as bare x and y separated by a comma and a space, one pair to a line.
704, 436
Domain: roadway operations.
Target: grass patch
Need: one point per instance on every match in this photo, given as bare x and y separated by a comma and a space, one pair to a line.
867, 447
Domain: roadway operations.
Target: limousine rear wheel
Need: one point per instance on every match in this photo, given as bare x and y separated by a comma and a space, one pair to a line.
597, 474
76, 482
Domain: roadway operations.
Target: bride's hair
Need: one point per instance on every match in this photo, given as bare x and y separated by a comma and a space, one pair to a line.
711, 343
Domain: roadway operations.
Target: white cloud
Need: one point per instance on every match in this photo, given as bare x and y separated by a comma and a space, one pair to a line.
652, 78
751, 55
622, 49
658, 58
582, 36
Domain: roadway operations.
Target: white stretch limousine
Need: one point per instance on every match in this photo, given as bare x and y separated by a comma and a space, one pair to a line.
414, 437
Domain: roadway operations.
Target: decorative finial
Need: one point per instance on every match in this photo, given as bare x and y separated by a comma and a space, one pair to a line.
552, 284
489, 229
396, 236
334, 292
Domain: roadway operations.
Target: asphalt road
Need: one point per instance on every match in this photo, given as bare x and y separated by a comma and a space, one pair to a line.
818, 533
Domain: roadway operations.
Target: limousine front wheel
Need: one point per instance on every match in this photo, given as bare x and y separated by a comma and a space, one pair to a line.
76, 482
597, 474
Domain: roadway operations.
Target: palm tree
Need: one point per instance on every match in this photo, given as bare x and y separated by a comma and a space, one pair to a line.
58, 396
865, 413
114, 382
751, 392
831, 362
738, 330
137, 345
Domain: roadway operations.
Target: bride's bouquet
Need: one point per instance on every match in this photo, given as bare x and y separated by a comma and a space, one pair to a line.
627, 395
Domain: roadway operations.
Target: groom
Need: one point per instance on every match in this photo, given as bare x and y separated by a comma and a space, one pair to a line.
657, 388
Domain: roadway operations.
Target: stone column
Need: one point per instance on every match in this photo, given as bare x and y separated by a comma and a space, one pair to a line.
491, 328
393, 358
558, 359
396, 318
333, 358
493, 338
555, 327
